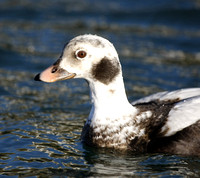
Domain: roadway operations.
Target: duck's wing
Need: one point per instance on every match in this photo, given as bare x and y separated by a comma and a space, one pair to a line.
173, 95
184, 112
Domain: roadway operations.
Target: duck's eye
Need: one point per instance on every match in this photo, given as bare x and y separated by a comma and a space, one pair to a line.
80, 54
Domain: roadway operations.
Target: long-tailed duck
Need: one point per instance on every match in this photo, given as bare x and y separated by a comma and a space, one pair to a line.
167, 122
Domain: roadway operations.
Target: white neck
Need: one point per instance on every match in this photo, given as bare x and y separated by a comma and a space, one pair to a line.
109, 101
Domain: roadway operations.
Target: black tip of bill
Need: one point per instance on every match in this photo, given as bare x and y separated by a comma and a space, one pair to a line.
37, 77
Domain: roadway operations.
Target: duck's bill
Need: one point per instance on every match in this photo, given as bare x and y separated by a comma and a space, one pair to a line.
53, 74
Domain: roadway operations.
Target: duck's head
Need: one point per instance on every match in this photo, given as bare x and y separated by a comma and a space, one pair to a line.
87, 56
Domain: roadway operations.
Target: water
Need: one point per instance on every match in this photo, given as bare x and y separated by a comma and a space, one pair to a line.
40, 124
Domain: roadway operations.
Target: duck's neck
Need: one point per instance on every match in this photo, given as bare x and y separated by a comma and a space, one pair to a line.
109, 101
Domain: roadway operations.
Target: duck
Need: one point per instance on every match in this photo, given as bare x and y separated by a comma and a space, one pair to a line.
165, 122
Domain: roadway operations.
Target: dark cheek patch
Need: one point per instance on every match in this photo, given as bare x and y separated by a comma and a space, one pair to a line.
106, 70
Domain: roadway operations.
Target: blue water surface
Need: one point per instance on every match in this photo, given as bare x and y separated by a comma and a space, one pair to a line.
40, 124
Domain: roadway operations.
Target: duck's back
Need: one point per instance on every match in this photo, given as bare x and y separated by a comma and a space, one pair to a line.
174, 126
